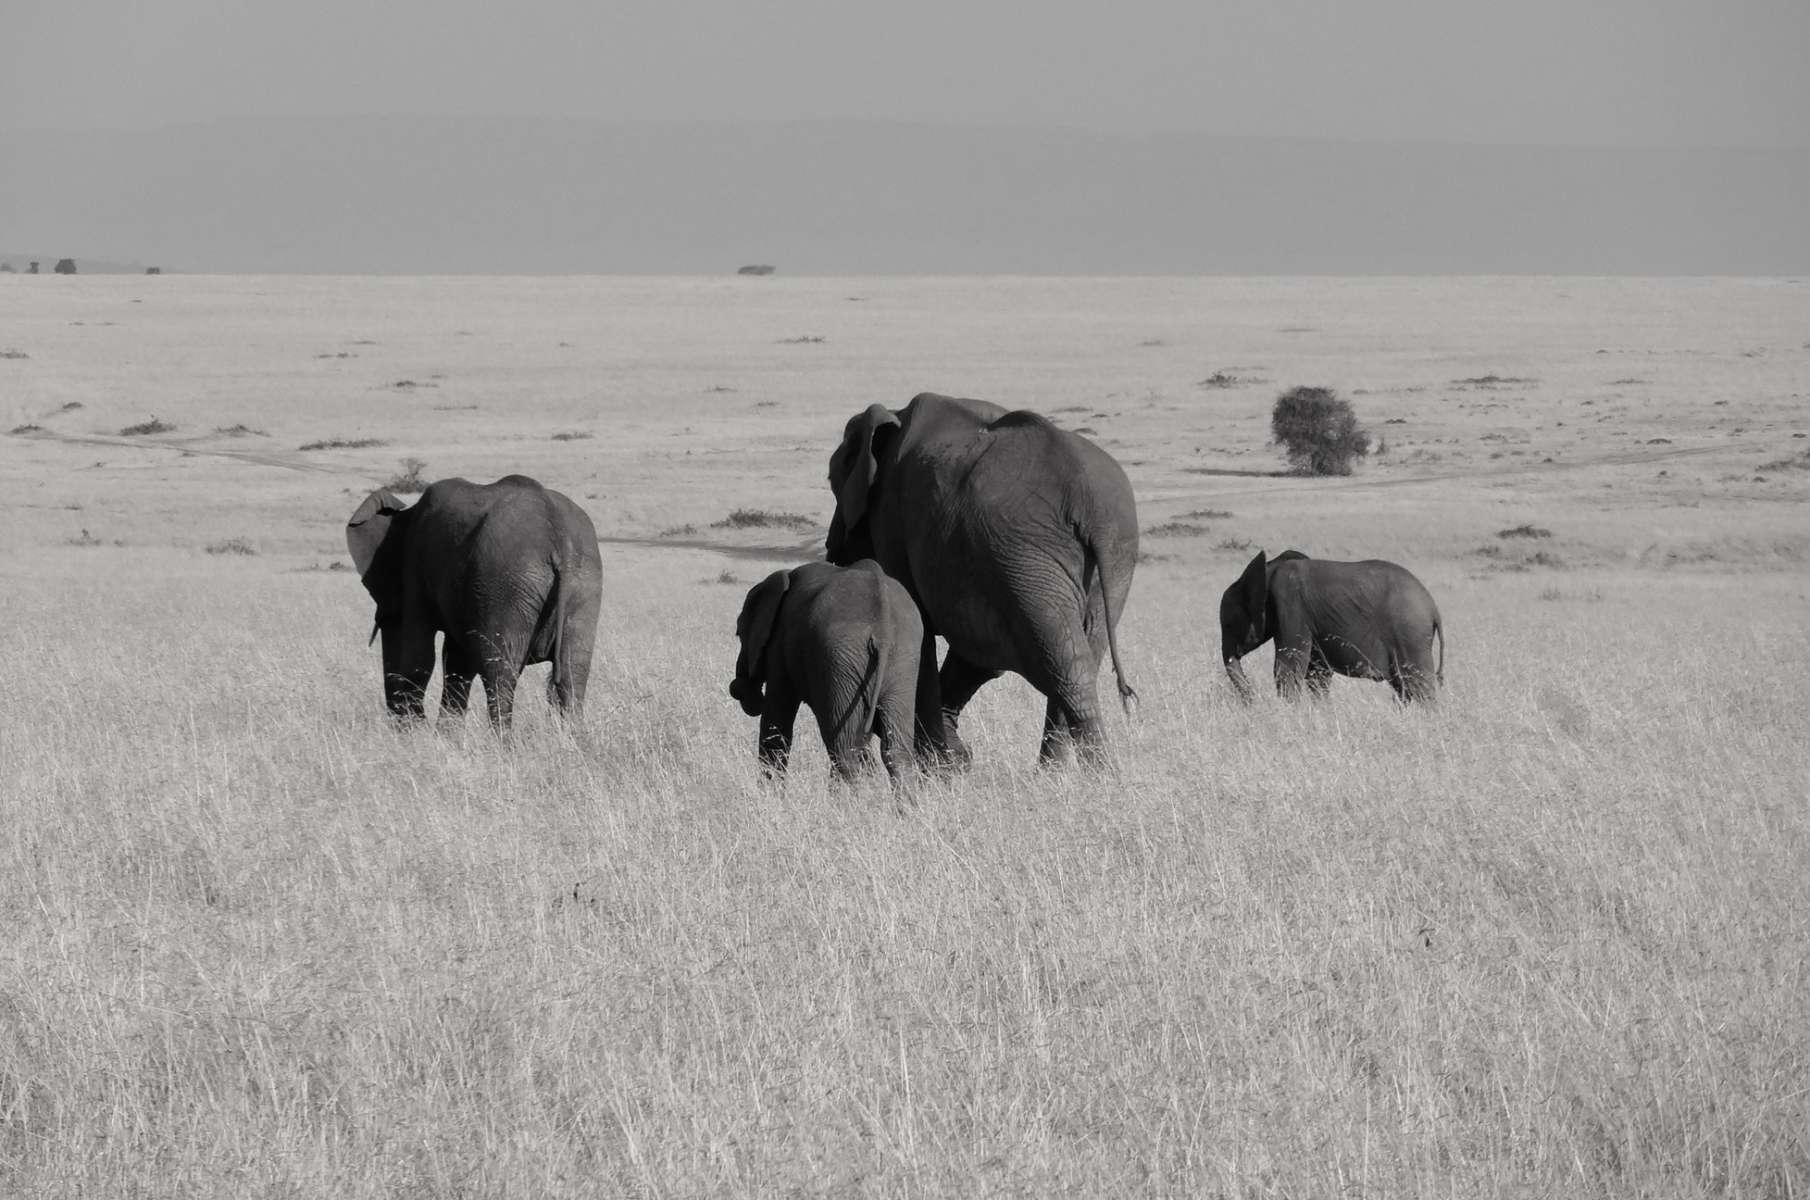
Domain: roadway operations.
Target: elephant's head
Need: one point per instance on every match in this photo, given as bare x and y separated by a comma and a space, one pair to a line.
367, 534
760, 611
1245, 617
854, 472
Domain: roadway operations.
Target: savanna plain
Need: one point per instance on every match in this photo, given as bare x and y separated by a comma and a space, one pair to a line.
1550, 937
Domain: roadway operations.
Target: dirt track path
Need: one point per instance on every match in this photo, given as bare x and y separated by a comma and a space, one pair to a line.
181, 447
1620, 458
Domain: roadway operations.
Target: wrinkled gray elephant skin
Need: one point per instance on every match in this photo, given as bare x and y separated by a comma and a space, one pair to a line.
1016, 539
508, 571
843, 640
1366, 620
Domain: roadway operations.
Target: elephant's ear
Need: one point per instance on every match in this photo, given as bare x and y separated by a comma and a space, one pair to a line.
1253, 589
855, 464
755, 627
368, 527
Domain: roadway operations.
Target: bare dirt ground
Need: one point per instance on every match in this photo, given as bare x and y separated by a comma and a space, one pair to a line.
1550, 938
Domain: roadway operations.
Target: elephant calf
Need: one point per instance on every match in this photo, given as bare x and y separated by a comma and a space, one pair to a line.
1367, 620
509, 571
844, 640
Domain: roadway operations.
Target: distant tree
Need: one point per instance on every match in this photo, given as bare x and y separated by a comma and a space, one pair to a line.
755, 269
6, 268
1319, 431
65, 266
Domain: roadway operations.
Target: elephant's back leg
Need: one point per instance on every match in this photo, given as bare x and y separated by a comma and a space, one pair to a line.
892, 722
455, 686
1063, 664
1412, 673
847, 729
576, 647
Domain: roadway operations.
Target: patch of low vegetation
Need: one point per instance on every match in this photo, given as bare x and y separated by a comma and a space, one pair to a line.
338, 354
410, 384
239, 430
1628, 382
573, 435
1588, 596
1222, 379
85, 538
686, 530
70, 406
13, 354
766, 404
1236, 544
718, 389
759, 518
1493, 380
26, 428
1396, 421
409, 478
344, 444
145, 427
1318, 431
1523, 531
238, 546
1795, 462
806, 340
1176, 529
1205, 514
727, 576
1150, 343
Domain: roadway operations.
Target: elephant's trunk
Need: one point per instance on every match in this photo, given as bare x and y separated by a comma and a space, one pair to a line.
1240, 682
747, 693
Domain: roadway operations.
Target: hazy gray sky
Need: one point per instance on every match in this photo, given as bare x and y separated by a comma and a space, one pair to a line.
1542, 71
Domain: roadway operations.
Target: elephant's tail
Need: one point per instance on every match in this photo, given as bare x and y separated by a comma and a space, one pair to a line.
1439, 632
876, 678
1127, 694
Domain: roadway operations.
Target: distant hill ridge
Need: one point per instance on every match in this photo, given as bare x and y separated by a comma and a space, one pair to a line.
507, 195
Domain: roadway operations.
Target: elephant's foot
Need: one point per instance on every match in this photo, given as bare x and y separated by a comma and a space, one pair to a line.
951, 758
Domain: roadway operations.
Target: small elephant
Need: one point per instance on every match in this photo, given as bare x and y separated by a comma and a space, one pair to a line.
509, 571
1016, 539
1367, 620
843, 640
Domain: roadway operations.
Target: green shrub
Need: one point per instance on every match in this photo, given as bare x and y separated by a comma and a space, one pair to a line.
1319, 432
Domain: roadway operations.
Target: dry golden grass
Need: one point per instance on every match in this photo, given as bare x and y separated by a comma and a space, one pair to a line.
1552, 938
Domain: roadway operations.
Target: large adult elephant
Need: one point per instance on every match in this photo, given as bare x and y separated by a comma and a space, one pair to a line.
509, 571
1016, 539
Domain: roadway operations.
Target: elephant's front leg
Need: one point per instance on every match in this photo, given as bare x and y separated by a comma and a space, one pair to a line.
930, 737
1319, 675
959, 680
408, 664
778, 715
1056, 742
457, 668
1294, 655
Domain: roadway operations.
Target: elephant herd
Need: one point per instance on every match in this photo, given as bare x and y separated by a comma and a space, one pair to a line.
1013, 540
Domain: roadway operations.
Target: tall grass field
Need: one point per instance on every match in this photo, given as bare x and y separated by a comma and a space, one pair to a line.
1550, 937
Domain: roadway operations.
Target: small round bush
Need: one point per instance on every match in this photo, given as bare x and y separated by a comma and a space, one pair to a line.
1319, 432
